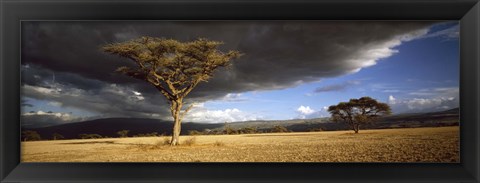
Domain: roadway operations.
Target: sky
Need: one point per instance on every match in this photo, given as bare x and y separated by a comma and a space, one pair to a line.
289, 70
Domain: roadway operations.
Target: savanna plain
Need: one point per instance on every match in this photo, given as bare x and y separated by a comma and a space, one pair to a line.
438, 144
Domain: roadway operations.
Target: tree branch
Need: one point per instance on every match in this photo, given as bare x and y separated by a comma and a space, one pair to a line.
188, 89
165, 92
186, 111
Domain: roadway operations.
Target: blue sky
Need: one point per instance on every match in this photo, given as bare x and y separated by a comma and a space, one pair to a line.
417, 74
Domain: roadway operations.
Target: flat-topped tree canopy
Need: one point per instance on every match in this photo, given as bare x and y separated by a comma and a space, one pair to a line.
173, 67
360, 111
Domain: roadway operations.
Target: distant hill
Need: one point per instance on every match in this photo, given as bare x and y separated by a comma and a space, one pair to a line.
110, 126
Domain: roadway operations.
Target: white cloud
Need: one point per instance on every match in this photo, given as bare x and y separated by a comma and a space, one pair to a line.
63, 115
233, 97
432, 103
305, 111
426, 100
200, 113
137, 96
449, 33
391, 99
136, 93
41, 118
43, 90
375, 52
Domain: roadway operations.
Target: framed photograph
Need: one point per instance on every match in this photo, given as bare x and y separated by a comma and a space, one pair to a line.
236, 91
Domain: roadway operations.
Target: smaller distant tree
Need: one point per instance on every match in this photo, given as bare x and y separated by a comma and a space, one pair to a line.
357, 112
30, 135
279, 129
57, 136
123, 133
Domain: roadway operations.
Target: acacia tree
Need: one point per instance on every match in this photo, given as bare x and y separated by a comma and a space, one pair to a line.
358, 111
174, 68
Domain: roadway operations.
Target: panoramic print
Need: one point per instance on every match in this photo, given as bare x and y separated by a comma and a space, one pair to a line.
240, 91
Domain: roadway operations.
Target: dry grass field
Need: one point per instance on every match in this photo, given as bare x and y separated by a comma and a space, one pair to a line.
440, 144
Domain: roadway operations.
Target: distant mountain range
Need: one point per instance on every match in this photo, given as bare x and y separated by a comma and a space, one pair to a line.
110, 126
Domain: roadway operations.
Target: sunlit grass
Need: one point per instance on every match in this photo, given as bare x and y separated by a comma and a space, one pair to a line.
439, 144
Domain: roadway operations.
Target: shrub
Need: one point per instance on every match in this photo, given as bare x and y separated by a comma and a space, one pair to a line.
279, 129
164, 141
30, 135
190, 141
153, 134
218, 143
161, 142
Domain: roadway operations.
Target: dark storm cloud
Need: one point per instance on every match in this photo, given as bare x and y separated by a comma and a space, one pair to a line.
38, 76
277, 55
109, 101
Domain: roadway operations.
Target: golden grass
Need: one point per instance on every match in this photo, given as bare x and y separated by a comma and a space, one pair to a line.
439, 144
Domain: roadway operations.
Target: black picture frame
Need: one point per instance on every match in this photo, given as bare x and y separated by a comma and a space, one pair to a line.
14, 11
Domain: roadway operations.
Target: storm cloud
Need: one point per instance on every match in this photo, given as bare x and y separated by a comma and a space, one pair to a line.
61, 61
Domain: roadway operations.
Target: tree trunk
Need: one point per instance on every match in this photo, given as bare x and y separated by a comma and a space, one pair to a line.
176, 107
356, 128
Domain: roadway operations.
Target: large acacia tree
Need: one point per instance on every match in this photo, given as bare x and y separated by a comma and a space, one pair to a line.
174, 68
357, 112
